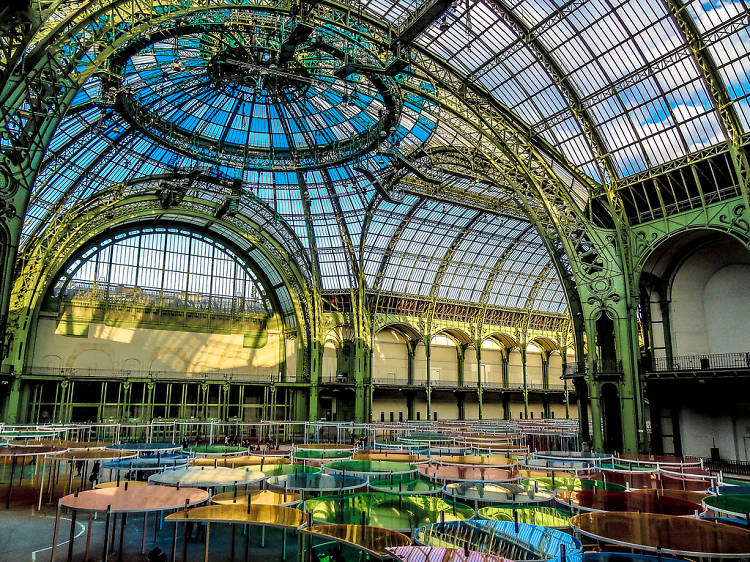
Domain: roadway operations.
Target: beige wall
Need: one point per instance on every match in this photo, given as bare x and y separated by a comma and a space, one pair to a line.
559, 410
389, 356
492, 366
115, 348
492, 407
391, 402
445, 406
329, 360
533, 368
470, 364
444, 362
515, 368
555, 369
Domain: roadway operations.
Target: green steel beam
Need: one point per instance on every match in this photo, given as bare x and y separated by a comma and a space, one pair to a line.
43, 259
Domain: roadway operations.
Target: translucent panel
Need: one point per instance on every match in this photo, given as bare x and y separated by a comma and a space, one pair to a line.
416, 256
724, 27
168, 269
627, 63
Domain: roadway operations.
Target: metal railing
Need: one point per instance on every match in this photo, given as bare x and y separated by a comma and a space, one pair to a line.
600, 367
487, 385
92, 295
494, 385
261, 375
336, 379
705, 362
394, 381
265, 376
727, 466
696, 362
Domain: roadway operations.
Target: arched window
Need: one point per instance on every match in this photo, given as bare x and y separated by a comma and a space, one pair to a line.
165, 268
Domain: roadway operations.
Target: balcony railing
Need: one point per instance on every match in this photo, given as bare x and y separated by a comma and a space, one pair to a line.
486, 385
266, 376
260, 376
600, 367
336, 379
681, 363
394, 381
707, 362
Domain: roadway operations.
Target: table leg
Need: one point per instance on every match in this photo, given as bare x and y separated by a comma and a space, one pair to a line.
88, 537
174, 544
41, 483
10, 485
107, 520
208, 539
247, 543
184, 542
114, 532
143, 540
122, 533
55, 533
72, 536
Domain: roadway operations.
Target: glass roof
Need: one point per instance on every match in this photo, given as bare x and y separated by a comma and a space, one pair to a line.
627, 62
92, 152
214, 101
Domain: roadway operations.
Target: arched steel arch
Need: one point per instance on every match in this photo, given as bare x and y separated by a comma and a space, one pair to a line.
68, 270
44, 258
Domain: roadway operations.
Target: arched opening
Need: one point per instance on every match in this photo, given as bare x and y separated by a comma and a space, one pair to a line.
330, 363
695, 302
137, 314
443, 361
612, 418
606, 350
392, 359
696, 293
390, 356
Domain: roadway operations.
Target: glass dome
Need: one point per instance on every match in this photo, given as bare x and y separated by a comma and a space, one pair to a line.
230, 94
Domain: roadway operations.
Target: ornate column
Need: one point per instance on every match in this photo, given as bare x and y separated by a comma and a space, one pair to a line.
525, 388
126, 387
14, 399
480, 390
411, 348
460, 363
429, 378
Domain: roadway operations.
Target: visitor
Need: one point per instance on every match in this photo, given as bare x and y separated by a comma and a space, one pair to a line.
94, 477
